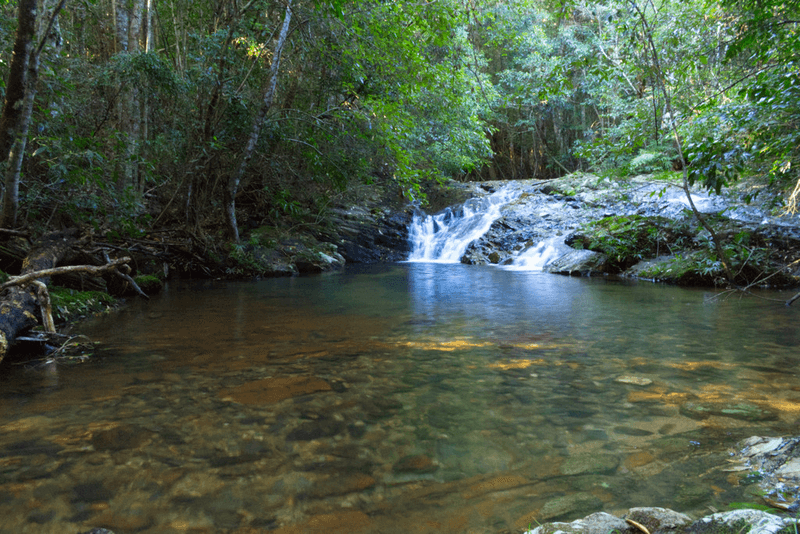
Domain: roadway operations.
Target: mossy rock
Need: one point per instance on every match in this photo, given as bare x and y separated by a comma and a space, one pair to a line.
149, 283
70, 304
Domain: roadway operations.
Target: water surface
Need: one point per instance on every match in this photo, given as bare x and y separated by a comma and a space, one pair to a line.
396, 398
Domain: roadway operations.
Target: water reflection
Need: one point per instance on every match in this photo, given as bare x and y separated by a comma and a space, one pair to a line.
398, 398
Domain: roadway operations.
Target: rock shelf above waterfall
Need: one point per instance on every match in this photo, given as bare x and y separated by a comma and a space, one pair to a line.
548, 226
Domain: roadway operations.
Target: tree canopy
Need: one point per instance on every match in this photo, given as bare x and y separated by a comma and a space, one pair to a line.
144, 108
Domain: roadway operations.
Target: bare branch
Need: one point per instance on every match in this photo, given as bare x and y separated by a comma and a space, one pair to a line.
91, 269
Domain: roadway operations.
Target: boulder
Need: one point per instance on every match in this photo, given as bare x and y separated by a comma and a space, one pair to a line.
578, 262
750, 521
775, 463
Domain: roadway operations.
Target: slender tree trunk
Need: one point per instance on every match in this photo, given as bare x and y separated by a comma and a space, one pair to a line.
660, 81
17, 85
269, 96
17, 113
133, 111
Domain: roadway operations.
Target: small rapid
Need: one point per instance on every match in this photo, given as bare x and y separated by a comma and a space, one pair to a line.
536, 257
444, 237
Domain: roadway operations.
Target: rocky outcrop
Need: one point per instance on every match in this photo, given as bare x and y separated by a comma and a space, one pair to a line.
665, 521
364, 236
774, 462
552, 216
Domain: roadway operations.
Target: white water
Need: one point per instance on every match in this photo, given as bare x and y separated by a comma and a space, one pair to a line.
444, 237
535, 258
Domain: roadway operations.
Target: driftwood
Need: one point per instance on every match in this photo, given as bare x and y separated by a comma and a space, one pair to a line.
24, 299
46, 273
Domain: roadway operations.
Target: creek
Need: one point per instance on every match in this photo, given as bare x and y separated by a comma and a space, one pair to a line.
418, 397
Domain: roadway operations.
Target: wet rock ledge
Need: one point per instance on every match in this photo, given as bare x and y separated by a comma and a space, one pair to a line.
771, 464
665, 521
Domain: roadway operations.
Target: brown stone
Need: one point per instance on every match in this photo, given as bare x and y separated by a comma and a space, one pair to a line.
495, 484
334, 523
120, 438
638, 459
269, 390
415, 464
342, 485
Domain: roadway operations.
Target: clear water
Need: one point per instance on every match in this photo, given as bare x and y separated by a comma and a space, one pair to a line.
397, 398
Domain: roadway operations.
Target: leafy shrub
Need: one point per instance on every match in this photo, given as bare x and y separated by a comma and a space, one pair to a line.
626, 240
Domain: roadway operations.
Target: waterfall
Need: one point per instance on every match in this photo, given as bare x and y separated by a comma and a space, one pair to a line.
535, 258
444, 237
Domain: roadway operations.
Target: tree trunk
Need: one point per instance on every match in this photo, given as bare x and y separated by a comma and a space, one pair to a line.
16, 85
269, 95
16, 118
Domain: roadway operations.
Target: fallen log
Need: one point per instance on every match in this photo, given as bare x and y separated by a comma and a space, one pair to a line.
24, 300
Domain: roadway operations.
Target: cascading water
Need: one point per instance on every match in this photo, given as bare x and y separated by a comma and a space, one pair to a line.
535, 258
444, 237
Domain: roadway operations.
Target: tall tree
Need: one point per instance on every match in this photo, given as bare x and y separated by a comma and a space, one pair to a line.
22, 87
266, 103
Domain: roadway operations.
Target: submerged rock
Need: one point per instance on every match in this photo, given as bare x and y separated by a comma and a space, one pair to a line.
741, 410
775, 464
569, 505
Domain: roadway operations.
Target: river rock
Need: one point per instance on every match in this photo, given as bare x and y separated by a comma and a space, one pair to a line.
415, 464
665, 521
590, 464
740, 410
578, 262
658, 519
775, 462
597, 523
120, 438
634, 380
270, 390
750, 521
570, 505
363, 236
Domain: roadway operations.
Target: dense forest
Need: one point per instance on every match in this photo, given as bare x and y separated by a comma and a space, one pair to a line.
128, 115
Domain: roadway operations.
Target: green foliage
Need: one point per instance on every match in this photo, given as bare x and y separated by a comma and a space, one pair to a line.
408, 91
627, 240
68, 304
149, 283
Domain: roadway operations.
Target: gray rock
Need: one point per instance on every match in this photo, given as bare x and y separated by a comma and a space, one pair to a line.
590, 464
658, 520
775, 462
580, 262
574, 504
598, 523
741, 410
750, 521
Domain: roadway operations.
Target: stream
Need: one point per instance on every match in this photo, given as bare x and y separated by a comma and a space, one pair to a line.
416, 397
419, 397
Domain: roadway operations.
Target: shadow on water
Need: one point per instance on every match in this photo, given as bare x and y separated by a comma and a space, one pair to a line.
396, 398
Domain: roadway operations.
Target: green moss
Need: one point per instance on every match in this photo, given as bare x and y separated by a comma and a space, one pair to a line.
149, 283
70, 304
